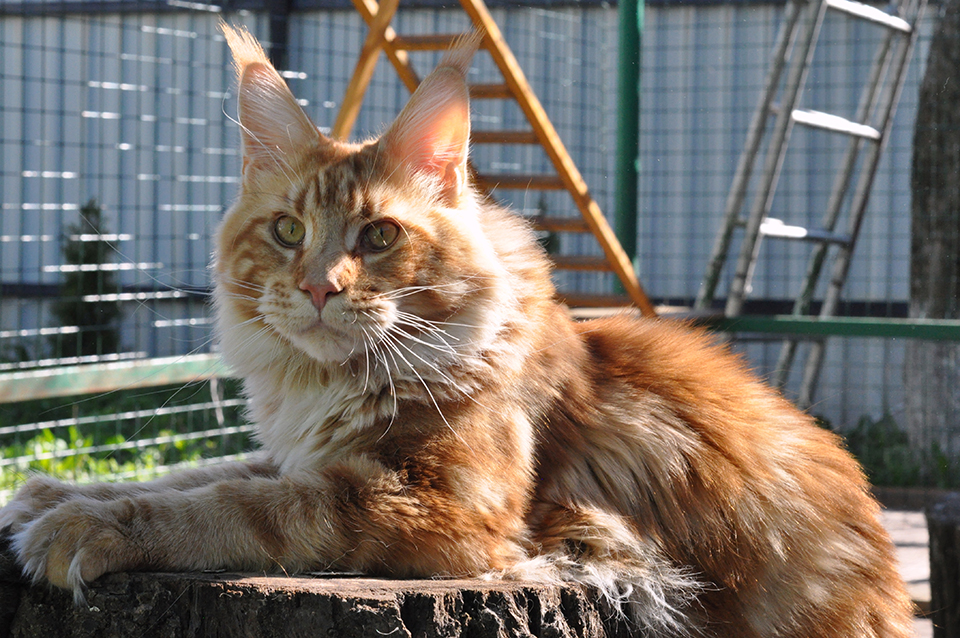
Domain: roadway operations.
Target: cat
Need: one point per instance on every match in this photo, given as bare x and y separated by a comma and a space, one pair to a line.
425, 407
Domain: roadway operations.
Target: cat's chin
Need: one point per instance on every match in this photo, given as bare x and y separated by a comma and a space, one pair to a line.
325, 344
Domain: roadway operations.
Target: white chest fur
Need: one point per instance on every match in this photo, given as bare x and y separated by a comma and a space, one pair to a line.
305, 427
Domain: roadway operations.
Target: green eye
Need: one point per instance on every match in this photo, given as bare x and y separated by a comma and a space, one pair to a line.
289, 231
380, 235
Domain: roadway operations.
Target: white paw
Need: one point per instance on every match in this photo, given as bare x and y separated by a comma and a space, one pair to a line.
74, 543
37, 496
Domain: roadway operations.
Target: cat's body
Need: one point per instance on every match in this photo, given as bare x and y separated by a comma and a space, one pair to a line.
426, 408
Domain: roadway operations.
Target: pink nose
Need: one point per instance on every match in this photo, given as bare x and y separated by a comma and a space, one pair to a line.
320, 293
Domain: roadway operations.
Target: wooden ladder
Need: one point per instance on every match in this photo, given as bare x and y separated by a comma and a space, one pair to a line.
382, 37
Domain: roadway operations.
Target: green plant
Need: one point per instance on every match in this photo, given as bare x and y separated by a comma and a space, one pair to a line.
87, 292
134, 434
888, 458
65, 458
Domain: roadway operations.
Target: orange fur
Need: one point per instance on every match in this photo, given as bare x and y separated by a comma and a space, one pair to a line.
426, 408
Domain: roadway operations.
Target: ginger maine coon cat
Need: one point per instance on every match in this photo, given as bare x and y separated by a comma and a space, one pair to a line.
425, 407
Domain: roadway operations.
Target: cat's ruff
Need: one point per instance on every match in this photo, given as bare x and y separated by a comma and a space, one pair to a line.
426, 408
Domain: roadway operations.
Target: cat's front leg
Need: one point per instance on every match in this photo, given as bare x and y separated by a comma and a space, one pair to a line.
238, 523
356, 515
39, 494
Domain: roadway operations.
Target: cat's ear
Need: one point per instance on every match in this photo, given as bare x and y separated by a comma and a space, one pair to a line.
272, 124
432, 133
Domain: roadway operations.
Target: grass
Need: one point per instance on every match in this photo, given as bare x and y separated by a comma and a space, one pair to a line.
65, 459
133, 434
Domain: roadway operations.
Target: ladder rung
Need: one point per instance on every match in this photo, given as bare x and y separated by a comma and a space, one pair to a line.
834, 123
490, 92
517, 181
560, 224
580, 262
873, 14
503, 137
580, 300
427, 42
776, 228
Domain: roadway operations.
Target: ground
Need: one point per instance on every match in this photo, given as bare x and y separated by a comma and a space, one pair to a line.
909, 532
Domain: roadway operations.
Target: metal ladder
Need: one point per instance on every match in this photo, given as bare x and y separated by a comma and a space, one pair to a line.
382, 37
867, 132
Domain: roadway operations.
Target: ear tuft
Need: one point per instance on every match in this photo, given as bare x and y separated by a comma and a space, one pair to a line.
273, 126
432, 134
461, 52
244, 48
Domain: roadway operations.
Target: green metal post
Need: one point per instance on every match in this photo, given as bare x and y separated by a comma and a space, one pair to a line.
630, 15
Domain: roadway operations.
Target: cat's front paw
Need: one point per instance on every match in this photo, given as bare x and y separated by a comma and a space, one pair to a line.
77, 542
38, 495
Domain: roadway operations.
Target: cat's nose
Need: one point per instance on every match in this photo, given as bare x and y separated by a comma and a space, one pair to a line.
320, 293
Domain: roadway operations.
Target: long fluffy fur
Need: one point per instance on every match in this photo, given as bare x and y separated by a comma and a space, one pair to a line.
426, 408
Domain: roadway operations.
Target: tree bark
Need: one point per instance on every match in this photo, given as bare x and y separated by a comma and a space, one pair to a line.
943, 523
932, 369
255, 606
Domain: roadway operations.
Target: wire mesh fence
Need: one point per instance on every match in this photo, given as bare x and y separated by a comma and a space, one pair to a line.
123, 435
120, 154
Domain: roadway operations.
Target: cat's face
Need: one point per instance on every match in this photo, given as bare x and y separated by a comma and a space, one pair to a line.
353, 252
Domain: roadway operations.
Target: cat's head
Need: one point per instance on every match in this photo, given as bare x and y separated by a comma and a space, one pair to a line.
371, 253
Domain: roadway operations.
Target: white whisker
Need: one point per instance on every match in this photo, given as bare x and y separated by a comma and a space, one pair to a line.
245, 284
413, 317
367, 345
397, 342
386, 366
407, 291
443, 347
392, 343
427, 327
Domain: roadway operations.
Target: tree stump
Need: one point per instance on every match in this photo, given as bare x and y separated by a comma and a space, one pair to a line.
255, 606
943, 523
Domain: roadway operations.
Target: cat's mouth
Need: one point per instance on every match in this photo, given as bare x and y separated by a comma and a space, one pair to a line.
298, 324
315, 325
341, 318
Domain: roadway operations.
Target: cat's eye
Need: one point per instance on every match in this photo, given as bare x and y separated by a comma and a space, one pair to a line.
289, 231
378, 236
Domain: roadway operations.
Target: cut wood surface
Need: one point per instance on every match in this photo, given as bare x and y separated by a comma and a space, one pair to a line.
256, 606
